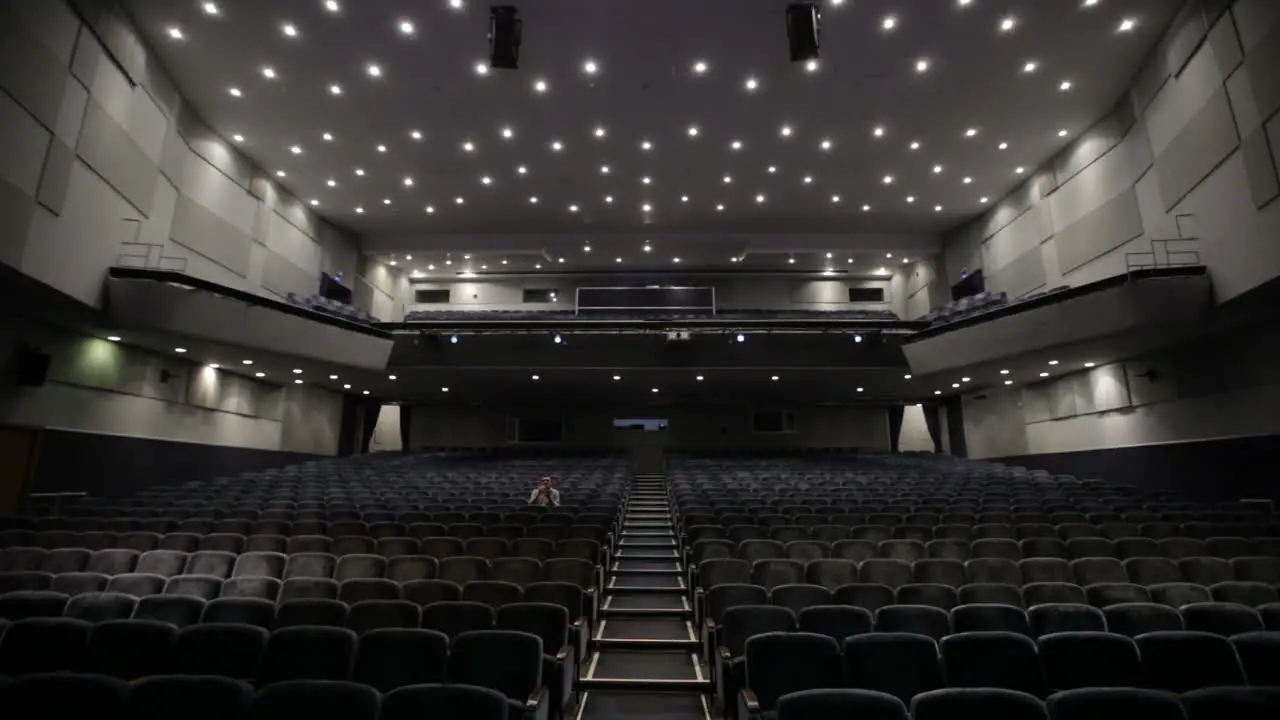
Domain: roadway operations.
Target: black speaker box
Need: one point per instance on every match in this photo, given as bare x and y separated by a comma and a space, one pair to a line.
30, 365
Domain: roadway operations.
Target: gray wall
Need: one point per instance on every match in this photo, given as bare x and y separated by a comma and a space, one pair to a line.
96, 386
1191, 148
1221, 387
691, 428
759, 292
101, 166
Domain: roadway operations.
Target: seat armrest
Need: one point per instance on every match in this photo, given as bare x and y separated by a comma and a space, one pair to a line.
563, 653
535, 700
750, 702
723, 653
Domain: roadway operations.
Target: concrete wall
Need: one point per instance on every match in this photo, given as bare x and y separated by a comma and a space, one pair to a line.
1190, 150
101, 387
1223, 387
741, 292
102, 162
690, 428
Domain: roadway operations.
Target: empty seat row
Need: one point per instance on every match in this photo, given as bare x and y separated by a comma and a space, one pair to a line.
62, 695
1261, 575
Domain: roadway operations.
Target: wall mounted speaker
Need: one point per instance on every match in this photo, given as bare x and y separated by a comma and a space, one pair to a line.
803, 31
30, 365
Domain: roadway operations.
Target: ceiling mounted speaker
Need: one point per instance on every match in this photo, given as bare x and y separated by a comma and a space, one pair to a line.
803, 29
505, 29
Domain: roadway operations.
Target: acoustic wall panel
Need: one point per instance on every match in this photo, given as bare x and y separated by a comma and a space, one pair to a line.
1260, 166
71, 113
131, 108
16, 207
1181, 100
1095, 143
1225, 43
1201, 145
282, 277
31, 74
23, 143
197, 228
55, 176
109, 150
213, 189
1020, 276
1111, 225
1262, 68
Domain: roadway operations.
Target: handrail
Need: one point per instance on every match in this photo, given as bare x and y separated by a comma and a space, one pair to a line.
1172, 258
58, 497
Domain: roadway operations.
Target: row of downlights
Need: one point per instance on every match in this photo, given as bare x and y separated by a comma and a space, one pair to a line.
1043, 374
258, 374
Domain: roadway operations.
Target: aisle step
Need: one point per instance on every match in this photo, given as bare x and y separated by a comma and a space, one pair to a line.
647, 567
658, 633
647, 584
649, 671
640, 605
637, 706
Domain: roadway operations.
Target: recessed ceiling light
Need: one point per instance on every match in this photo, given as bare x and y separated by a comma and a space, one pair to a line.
296, 150
675, 259
751, 84
1127, 24
735, 145
387, 201
759, 199
865, 208
825, 144
359, 172
617, 259
1030, 66
889, 22
1062, 133
1053, 362
382, 148
556, 146
915, 145
699, 67
508, 133
327, 137
1008, 382
1064, 86
727, 179
835, 198
1089, 364
455, 4
772, 169
533, 200
811, 66
599, 132
1090, 3
646, 180
406, 27
964, 3
113, 338
259, 374
971, 132
238, 138
210, 8
785, 131
175, 32
482, 69
335, 89
297, 371
936, 208
646, 207
608, 199
937, 169
1003, 146
374, 70
573, 208
878, 131
699, 378
967, 180
692, 131
808, 179
590, 67
911, 198
1008, 23
859, 389
468, 146
332, 6
268, 72
1019, 170
984, 199
364, 392
955, 385
887, 180
1044, 374
774, 378
246, 362
617, 377
458, 201
646, 145
648, 247
539, 86
684, 198
431, 209
289, 30
522, 170
719, 208
234, 92
604, 169
179, 350
408, 182
922, 65
315, 202
486, 180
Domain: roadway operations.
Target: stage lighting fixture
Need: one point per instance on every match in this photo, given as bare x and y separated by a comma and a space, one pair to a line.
504, 37
803, 29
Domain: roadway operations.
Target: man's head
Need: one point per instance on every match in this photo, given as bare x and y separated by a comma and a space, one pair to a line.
546, 482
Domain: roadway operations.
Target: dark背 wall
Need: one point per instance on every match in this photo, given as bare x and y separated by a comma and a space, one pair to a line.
1209, 470
118, 465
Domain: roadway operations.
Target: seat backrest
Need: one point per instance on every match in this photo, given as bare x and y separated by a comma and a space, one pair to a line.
503, 660
902, 665
993, 660
1075, 660
779, 663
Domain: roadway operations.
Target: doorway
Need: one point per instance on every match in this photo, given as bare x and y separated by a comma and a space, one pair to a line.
645, 439
19, 451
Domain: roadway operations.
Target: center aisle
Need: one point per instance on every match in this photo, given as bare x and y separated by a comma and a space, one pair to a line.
645, 658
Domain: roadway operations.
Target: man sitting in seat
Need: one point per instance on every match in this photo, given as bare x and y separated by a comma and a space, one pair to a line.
545, 494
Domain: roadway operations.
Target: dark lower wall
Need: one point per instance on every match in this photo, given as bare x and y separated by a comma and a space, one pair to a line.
1211, 470
116, 465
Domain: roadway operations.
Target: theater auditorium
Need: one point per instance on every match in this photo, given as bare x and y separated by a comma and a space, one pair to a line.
572, 360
